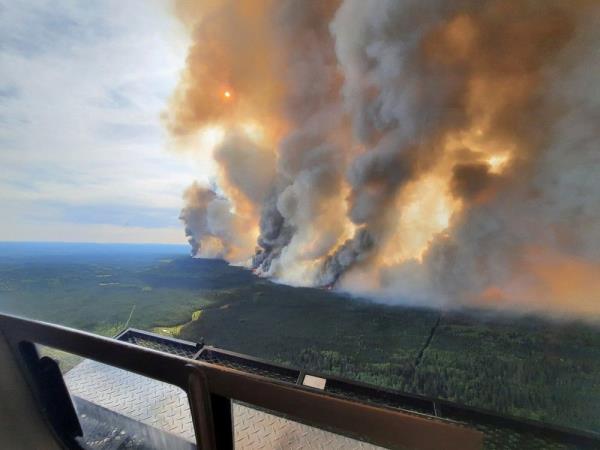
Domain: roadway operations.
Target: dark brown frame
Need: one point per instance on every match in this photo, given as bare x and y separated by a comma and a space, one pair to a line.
211, 388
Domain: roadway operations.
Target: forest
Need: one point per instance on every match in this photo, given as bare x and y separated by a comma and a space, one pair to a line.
524, 366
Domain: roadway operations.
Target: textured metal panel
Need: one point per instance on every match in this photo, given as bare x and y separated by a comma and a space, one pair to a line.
258, 430
107, 430
166, 408
245, 364
151, 402
156, 342
499, 433
381, 397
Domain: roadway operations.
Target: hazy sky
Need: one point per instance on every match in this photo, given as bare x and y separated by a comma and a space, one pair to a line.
82, 149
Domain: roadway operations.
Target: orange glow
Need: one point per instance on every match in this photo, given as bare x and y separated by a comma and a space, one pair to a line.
445, 203
424, 209
548, 279
568, 283
497, 162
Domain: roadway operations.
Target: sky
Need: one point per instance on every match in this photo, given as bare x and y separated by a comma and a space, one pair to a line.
84, 156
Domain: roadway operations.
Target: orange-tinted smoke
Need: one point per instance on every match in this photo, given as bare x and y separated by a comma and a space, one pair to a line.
231, 70
410, 150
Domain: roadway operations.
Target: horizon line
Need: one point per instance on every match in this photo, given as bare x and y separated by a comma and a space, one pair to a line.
94, 243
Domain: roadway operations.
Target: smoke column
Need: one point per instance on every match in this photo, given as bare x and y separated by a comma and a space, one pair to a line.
434, 153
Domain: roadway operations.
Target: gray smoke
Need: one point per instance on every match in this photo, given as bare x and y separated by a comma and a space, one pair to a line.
429, 151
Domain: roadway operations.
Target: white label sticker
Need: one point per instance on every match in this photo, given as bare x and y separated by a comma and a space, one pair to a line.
314, 382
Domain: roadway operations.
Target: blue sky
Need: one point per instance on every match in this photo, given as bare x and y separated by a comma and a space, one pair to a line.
83, 154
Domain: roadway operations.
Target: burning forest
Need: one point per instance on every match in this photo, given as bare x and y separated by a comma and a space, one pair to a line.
431, 153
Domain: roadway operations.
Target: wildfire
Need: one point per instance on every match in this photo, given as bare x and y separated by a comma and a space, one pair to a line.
418, 170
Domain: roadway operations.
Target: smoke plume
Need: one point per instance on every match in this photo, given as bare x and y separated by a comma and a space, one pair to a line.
427, 152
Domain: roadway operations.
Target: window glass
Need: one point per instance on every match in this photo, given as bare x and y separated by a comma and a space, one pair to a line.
400, 194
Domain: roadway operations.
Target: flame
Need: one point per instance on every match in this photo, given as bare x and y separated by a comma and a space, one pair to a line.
425, 210
452, 203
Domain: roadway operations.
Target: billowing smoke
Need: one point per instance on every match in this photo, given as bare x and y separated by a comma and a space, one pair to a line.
426, 152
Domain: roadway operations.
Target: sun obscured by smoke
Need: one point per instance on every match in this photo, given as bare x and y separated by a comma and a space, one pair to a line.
439, 153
